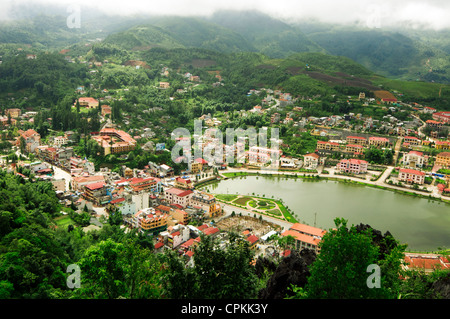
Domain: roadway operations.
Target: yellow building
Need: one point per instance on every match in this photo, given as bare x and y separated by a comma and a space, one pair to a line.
443, 159
328, 146
442, 145
150, 220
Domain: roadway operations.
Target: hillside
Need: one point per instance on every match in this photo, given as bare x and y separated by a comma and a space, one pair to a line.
269, 36
398, 54
177, 32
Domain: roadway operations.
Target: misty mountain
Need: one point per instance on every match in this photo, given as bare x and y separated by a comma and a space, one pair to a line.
269, 36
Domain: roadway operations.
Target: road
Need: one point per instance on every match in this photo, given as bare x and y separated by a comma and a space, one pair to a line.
61, 174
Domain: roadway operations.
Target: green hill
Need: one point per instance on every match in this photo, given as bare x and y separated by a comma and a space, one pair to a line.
269, 36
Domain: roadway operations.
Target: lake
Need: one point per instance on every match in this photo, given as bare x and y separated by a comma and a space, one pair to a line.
421, 223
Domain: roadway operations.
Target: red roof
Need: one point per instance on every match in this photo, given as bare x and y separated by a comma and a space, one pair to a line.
252, 239
411, 171
115, 201
357, 137
210, 231
202, 227
158, 245
179, 192
95, 186
201, 160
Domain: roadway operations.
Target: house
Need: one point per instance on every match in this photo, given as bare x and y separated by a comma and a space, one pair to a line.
427, 263
79, 182
13, 113
183, 183
414, 159
88, 102
59, 141
106, 110
253, 240
164, 85
32, 140
311, 160
211, 231
96, 193
378, 141
305, 236
411, 176
179, 235
178, 196
353, 166
443, 160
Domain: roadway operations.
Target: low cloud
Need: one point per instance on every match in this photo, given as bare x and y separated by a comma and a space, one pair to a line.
373, 13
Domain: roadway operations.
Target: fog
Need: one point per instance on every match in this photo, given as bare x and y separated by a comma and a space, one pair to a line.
373, 13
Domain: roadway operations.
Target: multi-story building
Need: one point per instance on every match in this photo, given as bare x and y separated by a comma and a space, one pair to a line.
328, 146
264, 155
13, 113
378, 141
305, 236
87, 102
311, 160
412, 140
150, 220
354, 149
138, 184
356, 140
414, 159
79, 182
442, 145
411, 176
32, 139
96, 193
353, 166
183, 183
178, 196
114, 141
442, 117
443, 160
206, 202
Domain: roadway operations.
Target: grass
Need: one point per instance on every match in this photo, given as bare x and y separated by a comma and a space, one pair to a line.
226, 197
64, 221
242, 201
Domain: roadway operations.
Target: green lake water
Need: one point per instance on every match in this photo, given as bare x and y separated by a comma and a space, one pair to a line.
421, 223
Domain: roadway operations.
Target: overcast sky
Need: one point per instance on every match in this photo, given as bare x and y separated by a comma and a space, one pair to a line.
373, 13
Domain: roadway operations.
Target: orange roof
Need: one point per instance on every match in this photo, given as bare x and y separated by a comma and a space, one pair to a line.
302, 237
314, 231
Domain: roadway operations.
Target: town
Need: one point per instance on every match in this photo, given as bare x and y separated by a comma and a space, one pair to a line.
412, 155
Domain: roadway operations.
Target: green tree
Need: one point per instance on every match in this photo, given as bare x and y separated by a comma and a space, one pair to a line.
215, 272
340, 270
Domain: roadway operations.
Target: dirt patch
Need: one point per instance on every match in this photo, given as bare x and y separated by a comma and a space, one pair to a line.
343, 81
242, 223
